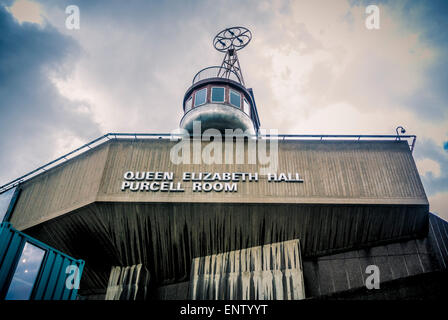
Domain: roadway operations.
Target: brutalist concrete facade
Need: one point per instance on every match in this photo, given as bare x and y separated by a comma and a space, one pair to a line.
360, 203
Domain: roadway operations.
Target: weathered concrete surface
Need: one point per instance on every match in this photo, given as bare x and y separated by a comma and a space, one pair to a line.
354, 195
334, 172
270, 272
128, 283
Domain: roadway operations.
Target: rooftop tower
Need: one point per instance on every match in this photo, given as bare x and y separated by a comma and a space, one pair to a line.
218, 96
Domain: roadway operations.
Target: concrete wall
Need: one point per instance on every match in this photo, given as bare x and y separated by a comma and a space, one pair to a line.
334, 172
60, 190
355, 194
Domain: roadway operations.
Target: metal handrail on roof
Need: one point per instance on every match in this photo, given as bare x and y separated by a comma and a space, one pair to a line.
410, 139
216, 72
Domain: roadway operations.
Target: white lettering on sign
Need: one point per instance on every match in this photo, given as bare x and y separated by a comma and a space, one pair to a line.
283, 177
217, 187
215, 176
156, 181
156, 176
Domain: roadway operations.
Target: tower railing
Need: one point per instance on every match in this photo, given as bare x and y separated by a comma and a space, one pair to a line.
216, 72
410, 139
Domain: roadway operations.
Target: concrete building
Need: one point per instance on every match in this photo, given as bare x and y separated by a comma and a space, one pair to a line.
306, 225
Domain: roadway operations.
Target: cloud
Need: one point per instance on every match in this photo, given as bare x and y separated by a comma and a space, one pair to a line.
439, 204
26, 11
436, 180
33, 113
428, 167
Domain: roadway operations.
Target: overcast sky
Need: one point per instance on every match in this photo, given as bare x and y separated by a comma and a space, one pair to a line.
313, 65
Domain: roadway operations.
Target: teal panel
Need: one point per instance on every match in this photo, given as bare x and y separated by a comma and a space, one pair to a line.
75, 290
68, 293
50, 283
9, 262
5, 238
60, 282
44, 276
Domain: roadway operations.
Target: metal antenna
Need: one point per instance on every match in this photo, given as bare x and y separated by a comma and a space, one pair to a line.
231, 40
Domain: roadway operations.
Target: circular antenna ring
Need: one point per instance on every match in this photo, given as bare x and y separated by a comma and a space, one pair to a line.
235, 38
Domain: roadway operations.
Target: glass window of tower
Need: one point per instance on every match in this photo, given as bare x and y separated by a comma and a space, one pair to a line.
217, 94
200, 97
188, 104
246, 107
26, 272
235, 99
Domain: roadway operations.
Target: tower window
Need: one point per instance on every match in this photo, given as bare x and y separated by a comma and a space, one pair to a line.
217, 94
246, 107
235, 99
188, 104
200, 97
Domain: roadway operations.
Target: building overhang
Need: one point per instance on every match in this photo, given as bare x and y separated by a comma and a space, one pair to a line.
217, 116
352, 194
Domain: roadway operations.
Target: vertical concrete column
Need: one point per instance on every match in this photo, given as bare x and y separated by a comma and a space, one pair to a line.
270, 272
128, 283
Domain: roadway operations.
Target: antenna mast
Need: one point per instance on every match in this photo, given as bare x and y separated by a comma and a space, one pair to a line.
231, 40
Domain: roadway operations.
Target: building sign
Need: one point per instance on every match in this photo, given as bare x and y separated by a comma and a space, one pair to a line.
200, 181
